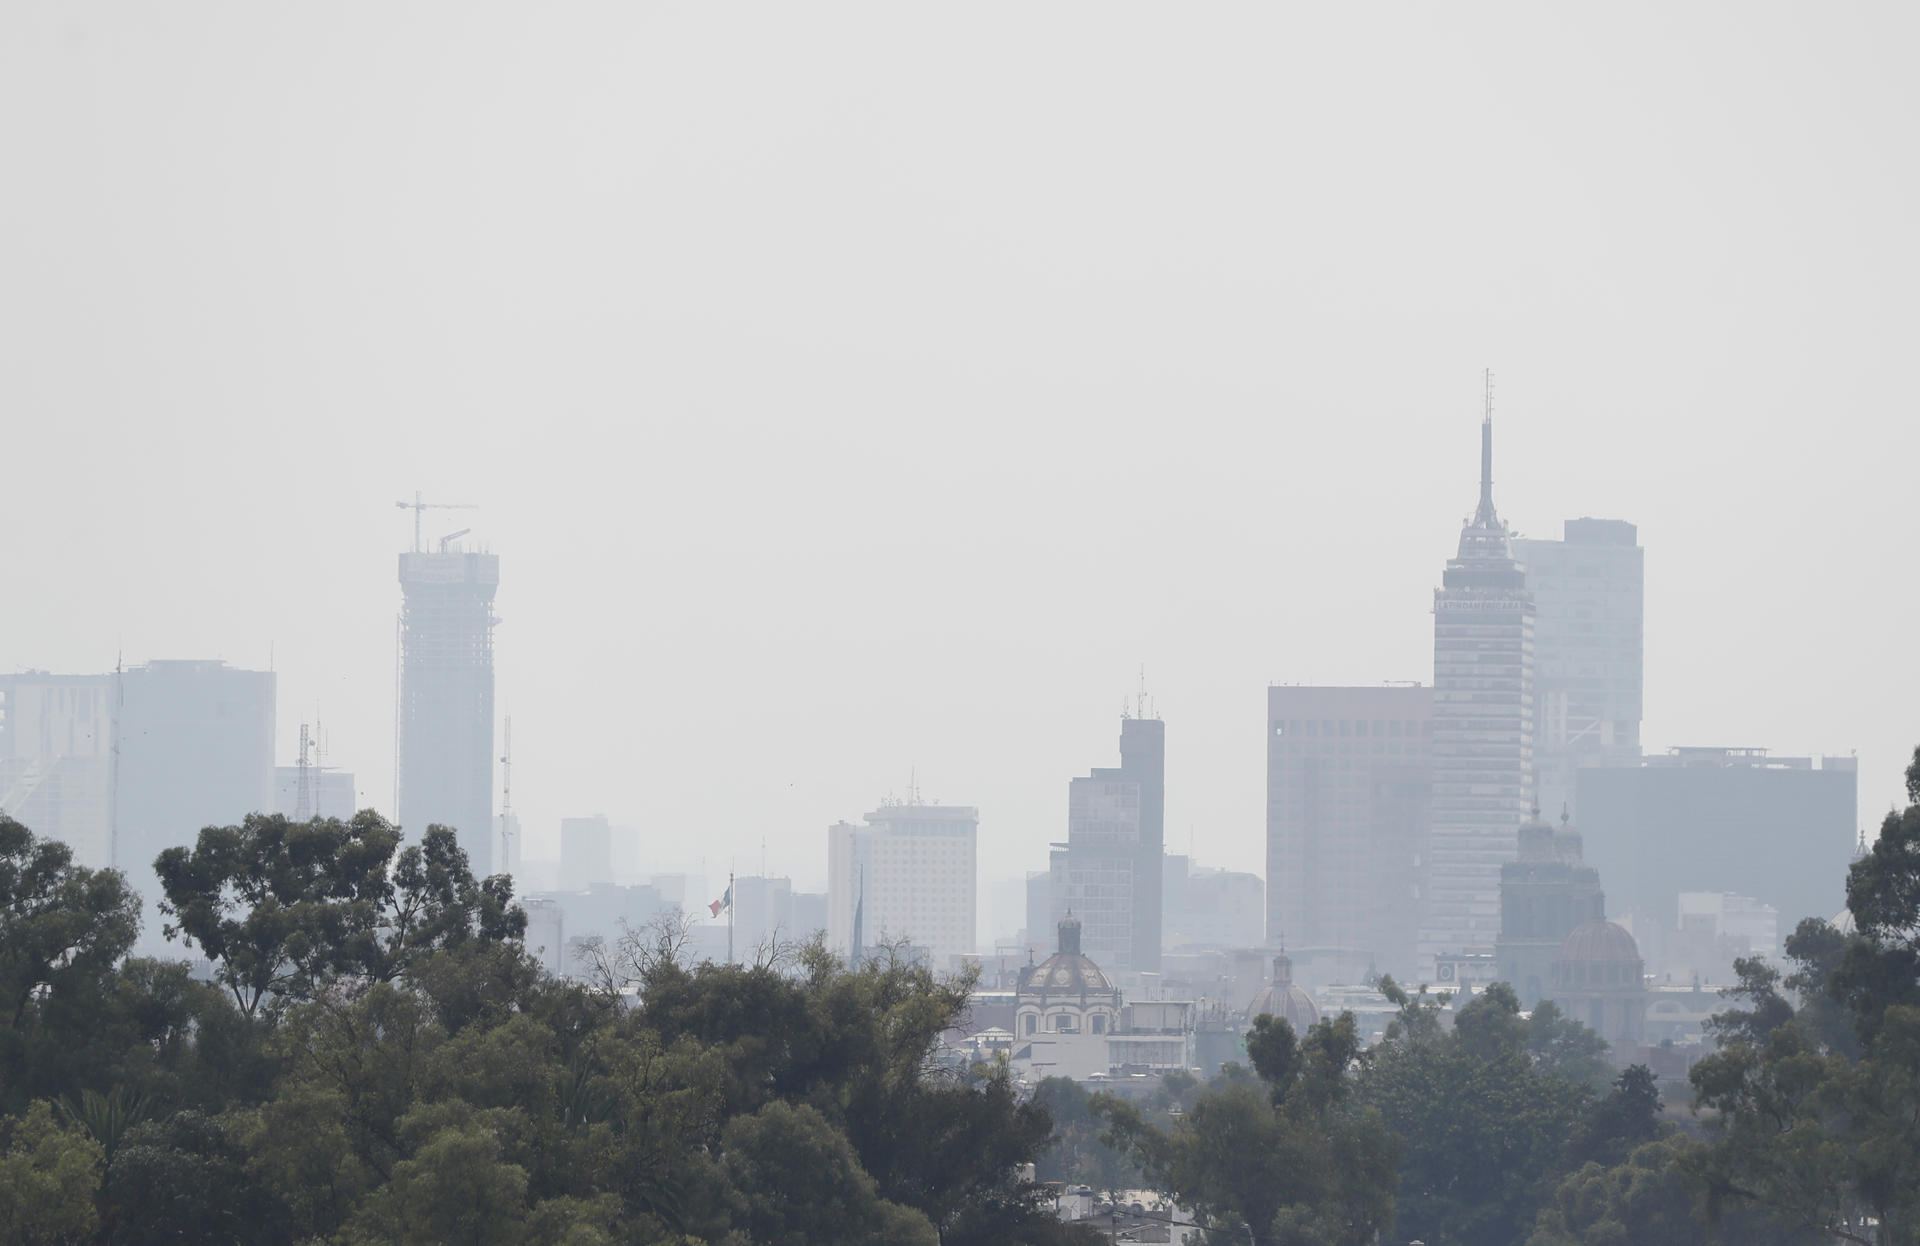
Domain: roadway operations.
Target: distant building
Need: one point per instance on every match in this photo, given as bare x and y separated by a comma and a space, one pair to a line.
56, 768
1599, 980
586, 852
603, 911
1546, 893
762, 914
1778, 829
195, 750
1039, 928
446, 697
1349, 779
330, 793
1108, 872
809, 916
1588, 652
1482, 730
1204, 906
911, 873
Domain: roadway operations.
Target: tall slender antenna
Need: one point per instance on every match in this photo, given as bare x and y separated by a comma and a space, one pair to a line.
506, 800
303, 786
1484, 517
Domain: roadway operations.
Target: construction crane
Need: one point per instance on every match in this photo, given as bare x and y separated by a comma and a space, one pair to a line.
417, 506
451, 537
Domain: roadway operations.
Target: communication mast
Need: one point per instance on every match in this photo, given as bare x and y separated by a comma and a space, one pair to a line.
303, 790
506, 800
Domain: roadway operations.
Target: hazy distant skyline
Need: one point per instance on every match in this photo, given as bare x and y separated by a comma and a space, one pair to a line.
851, 390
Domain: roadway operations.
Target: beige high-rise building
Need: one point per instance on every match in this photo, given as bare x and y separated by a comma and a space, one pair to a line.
911, 873
1349, 776
1482, 729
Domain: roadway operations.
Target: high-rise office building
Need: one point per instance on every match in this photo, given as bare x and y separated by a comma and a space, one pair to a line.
586, 852
195, 749
446, 697
1482, 729
1349, 779
1777, 829
1588, 639
1108, 873
911, 873
56, 766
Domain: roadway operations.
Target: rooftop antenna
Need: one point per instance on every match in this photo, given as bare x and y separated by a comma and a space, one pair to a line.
417, 507
1484, 517
303, 787
1140, 705
506, 799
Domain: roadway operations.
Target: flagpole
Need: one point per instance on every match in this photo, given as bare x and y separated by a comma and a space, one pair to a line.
729, 917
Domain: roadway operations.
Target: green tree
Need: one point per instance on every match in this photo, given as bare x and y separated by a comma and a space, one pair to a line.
48, 1174
1078, 1154
1483, 1127
795, 1181
454, 1189
1289, 1158
284, 908
183, 1180
1813, 1095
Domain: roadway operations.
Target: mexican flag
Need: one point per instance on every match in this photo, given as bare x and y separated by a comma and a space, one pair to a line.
724, 902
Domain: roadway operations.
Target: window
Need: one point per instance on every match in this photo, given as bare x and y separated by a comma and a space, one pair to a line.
1099, 1025
1032, 1023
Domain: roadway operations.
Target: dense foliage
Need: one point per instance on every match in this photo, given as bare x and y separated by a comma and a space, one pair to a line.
378, 1060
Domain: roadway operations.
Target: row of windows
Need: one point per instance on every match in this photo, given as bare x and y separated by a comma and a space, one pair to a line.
1351, 726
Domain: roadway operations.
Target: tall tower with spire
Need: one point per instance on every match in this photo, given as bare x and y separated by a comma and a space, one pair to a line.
1482, 727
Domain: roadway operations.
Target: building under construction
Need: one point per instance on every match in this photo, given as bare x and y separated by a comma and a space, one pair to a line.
445, 760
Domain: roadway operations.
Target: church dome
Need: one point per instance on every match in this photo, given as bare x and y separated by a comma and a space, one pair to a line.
1283, 999
1600, 943
1066, 972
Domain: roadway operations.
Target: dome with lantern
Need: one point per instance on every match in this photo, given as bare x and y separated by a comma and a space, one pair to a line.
1284, 999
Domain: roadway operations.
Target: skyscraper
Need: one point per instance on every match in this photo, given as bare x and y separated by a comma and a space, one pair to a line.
1482, 728
912, 871
446, 696
1589, 624
1108, 872
1349, 778
194, 743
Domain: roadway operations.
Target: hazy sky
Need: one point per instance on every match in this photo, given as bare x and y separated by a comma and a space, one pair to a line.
851, 389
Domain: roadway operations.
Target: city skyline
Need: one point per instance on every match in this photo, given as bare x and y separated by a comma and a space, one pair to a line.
787, 517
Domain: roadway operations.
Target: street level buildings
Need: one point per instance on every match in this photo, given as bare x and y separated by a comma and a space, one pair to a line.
910, 873
446, 697
1349, 779
1483, 618
1588, 648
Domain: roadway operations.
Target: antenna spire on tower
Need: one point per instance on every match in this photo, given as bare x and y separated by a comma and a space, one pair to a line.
1484, 517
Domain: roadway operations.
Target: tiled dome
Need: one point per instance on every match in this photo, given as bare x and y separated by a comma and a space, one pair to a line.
1066, 972
1600, 943
1283, 999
